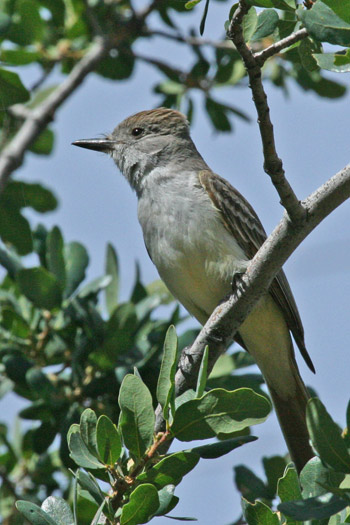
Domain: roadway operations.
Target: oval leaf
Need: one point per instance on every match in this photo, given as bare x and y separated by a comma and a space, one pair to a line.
59, 510
143, 504
108, 441
326, 437
219, 412
79, 451
171, 469
137, 415
34, 514
325, 25
166, 379
40, 287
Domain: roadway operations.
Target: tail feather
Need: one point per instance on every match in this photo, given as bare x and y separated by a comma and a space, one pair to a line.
291, 413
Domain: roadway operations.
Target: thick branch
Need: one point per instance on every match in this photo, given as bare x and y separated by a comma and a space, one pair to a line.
12, 156
275, 48
272, 163
222, 325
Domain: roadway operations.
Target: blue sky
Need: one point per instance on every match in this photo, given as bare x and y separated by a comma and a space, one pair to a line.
97, 206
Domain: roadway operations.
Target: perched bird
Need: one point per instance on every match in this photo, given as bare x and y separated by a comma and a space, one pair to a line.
199, 232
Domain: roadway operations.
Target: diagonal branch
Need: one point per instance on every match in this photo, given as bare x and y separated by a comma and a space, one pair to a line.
222, 325
12, 156
272, 163
275, 48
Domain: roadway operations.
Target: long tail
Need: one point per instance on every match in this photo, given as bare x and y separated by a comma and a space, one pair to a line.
267, 338
291, 413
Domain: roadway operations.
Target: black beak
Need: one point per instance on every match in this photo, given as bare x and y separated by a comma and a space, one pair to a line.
104, 145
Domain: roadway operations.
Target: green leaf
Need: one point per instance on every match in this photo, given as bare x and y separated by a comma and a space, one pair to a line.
274, 468
108, 441
79, 451
39, 382
28, 26
112, 269
143, 504
95, 286
5, 23
54, 256
325, 25
317, 508
119, 334
43, 145
15, 229
76, 261
137, 418
322, 86
217, 115
21, 194
260, 3
167, 500
166, 379
216, 450
10, 262
315, 476
259, 513
19, 56
88, 423
340, 8
326, 437
88, 483
12, 91
285, 5
34, 514
267, 23
288, 488
40, 287
14, 323
203, 373
306, 49
219, 412
249, 484
340, 63
118, 67
171, 469
58, 510
249, 24
191, 4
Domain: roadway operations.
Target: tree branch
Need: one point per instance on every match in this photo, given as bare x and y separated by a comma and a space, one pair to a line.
272, 163
222, 325
275, 48
191, 41
12, 156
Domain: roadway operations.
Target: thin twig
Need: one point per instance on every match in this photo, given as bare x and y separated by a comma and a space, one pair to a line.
12, 156
275, 48
191, 41
272, 163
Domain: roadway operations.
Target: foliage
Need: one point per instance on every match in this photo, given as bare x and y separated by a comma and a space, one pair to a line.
62, 353
91, 375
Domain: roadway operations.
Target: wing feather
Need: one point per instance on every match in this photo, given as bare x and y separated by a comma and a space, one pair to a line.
243, 223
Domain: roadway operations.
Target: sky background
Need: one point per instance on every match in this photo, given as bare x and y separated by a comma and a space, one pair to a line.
97, 206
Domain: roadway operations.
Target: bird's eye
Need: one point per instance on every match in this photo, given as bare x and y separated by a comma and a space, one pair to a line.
136, 132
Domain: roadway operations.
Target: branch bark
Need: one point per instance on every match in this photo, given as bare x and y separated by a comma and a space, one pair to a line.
272, 163
12, 156
275, 48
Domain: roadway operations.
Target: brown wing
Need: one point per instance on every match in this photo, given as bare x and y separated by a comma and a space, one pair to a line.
244, 224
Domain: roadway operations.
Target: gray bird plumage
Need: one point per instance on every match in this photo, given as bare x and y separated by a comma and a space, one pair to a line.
199, 231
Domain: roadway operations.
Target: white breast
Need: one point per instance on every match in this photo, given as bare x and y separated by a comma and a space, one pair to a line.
194, 253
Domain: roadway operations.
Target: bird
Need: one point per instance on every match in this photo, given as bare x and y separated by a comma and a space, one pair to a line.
200, 233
